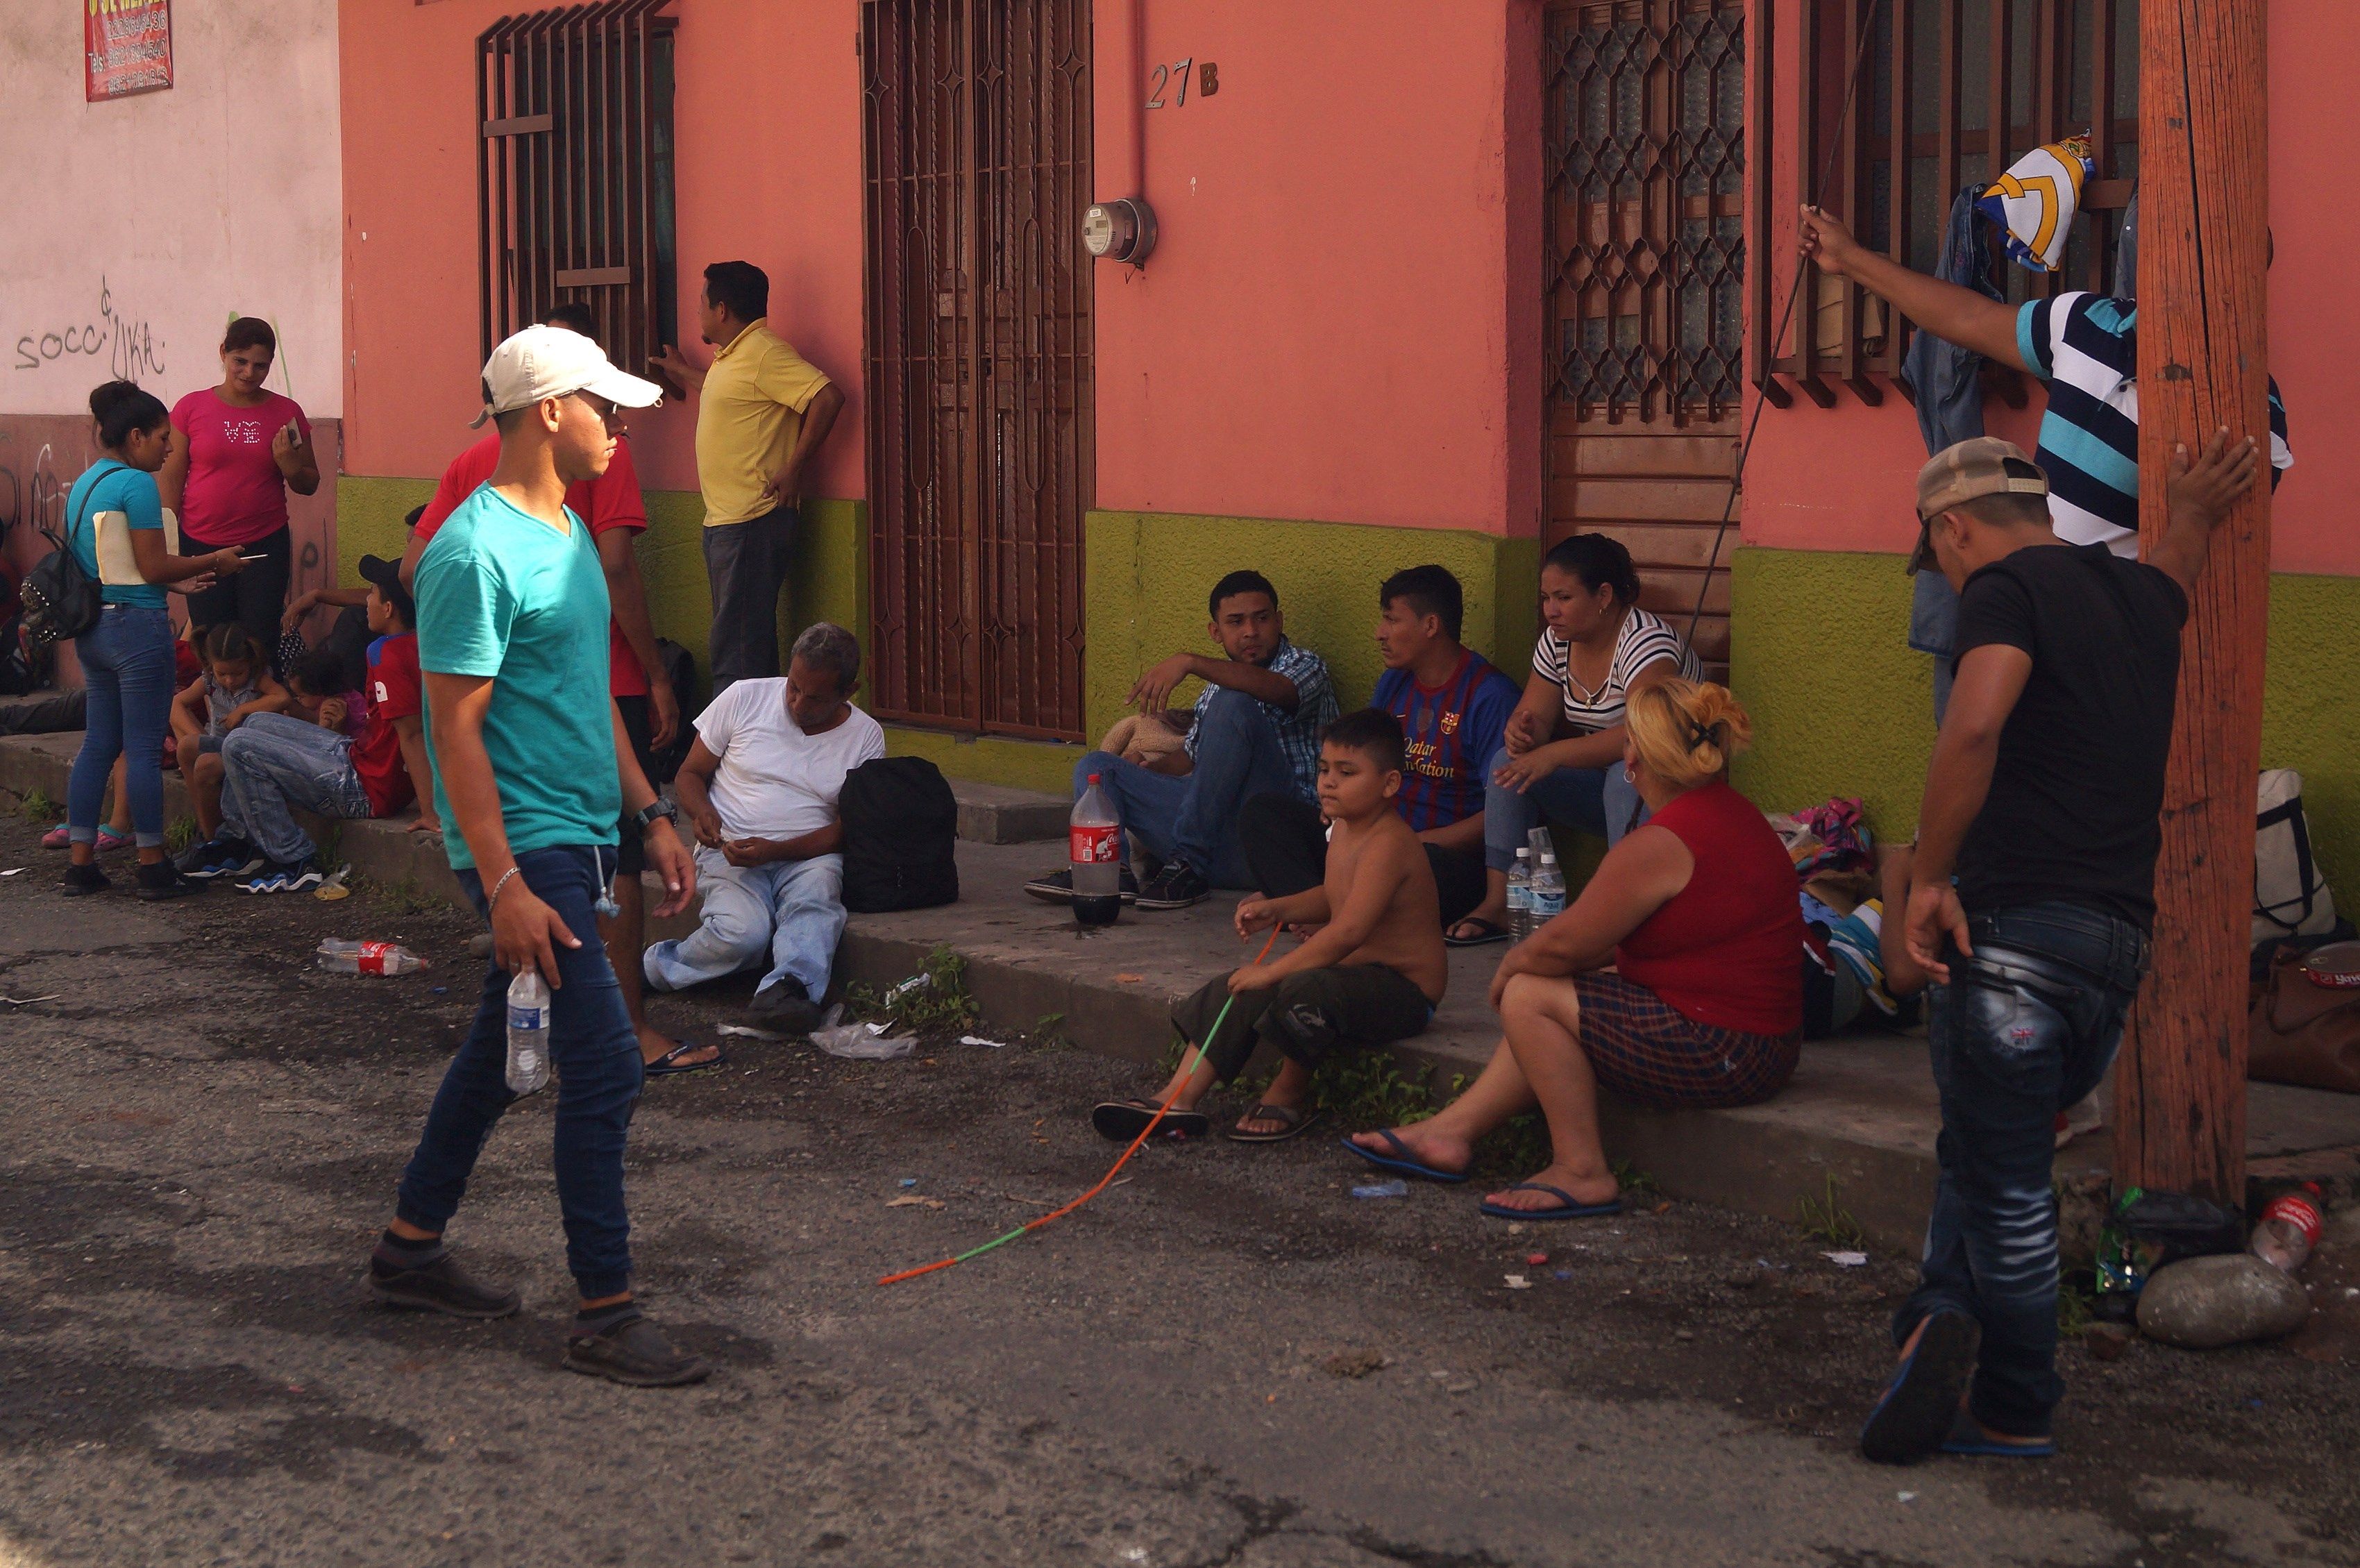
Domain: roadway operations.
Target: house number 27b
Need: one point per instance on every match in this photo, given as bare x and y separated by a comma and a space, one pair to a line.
1173, 79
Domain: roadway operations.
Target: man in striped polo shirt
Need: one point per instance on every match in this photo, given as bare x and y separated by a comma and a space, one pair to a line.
2083, 346
1453, 706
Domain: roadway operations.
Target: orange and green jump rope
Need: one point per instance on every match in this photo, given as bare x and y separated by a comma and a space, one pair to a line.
1104, 1181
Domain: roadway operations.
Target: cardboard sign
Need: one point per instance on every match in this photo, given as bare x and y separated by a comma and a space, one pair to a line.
126, 47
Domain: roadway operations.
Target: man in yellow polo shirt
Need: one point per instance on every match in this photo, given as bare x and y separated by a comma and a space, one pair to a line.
762, 412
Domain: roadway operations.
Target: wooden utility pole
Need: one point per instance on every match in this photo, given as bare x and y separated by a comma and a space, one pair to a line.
2179, 1093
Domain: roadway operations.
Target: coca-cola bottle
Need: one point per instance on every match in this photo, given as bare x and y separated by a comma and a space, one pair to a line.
1092, 837
2289, 1229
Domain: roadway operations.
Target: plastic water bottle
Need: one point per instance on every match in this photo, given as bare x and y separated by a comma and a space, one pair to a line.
1520, 896
527, 1033
1549, 892
341, 957
1092, 839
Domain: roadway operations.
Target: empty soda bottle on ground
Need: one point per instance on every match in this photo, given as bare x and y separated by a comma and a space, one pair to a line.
1549, 892
341, 957
1094, 857
527, 1033
1520, 896
2288, 1228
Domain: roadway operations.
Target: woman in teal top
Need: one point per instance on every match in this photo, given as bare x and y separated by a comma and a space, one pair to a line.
126, 654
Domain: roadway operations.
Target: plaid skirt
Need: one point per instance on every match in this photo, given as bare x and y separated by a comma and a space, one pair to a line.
1648, 1052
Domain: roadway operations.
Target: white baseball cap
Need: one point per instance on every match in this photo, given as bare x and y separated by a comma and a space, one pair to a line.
553, 362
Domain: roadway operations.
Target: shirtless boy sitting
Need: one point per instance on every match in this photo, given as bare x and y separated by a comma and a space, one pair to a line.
1371, 974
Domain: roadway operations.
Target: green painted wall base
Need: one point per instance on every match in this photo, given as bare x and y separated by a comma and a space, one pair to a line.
1147, 574
829, 581
1841, 706
1041, 764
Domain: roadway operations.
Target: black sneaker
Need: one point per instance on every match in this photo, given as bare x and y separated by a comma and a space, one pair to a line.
1057, 887
1176, 887
283, 876
81, 881
440, 1287
161, 881
231, 858
635, 1352
783, 1004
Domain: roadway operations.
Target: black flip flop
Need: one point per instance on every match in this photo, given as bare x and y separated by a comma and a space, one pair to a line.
669, 1064
1490, 934
1294, 1122
1917, 1414
1120, 1121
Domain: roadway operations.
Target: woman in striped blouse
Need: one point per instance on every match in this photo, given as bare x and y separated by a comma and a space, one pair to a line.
1563, 756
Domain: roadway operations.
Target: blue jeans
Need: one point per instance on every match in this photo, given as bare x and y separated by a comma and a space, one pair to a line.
127, 668
596, 1053
2025, 1028
1595, 799
791, 909
272, 764
1195, 818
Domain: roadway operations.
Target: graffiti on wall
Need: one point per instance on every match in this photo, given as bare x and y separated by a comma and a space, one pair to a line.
125, 344
31, 493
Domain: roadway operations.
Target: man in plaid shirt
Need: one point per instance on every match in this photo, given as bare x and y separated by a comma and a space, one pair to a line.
1255, 729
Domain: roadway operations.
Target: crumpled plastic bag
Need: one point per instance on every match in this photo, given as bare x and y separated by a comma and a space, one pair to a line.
864, 1042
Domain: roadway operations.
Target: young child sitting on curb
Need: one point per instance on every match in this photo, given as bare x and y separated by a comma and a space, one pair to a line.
1373, 974
315, 687
279, 764
236, 684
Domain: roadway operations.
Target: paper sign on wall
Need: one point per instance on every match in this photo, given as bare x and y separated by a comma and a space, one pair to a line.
126, 47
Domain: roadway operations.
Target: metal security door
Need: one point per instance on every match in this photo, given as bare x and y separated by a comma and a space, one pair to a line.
978, 358
1645, 206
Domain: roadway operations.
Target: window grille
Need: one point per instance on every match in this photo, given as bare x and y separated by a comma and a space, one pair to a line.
1645, 206
575, 172
1938, 75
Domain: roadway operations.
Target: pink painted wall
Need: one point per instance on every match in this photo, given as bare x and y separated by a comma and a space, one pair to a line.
1327, 331
1842, 479
767, 121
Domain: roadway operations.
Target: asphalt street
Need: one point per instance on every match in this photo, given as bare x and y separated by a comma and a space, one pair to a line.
1227, 1359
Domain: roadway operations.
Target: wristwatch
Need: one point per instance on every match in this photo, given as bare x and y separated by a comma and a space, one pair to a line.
660, 809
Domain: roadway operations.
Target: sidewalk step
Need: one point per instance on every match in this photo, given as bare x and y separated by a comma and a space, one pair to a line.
996, 813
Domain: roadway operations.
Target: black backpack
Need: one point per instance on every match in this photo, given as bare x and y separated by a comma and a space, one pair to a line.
900, 828
61, 598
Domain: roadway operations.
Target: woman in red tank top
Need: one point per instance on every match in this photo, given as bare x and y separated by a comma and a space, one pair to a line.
1697, 912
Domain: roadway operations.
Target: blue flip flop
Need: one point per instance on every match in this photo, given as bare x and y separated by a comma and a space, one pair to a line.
1968, 1441
1569, 1210
1915, 1416
1403, 1162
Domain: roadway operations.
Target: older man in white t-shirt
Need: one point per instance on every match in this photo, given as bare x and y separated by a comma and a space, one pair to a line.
759, 788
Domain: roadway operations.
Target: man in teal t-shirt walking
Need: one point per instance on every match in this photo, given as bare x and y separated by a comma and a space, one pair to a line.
532, 769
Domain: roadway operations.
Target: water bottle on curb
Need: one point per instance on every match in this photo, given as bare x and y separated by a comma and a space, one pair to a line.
1520, 896
1549, 892
338, 956
1092, 838
527, 1033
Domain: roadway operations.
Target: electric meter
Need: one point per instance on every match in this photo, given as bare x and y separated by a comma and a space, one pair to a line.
1120, 230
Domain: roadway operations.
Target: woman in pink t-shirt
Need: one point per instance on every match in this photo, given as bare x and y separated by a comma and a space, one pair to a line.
237, 449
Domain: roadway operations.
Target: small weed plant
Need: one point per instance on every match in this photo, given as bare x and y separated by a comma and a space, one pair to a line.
36, 806
1826, 1219
179, 835
938, 1004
